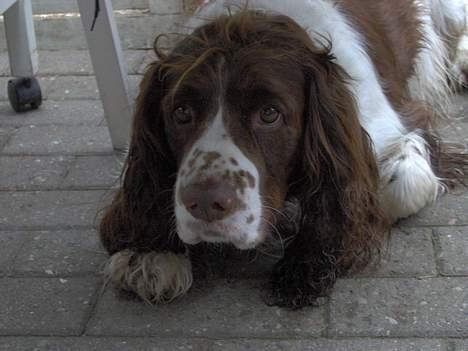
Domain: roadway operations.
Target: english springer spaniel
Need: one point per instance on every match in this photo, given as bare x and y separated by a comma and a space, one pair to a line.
316, 112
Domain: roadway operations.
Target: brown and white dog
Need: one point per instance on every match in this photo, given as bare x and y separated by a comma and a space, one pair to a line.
315, 113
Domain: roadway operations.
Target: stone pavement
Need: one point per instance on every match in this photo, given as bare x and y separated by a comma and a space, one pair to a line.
57, 170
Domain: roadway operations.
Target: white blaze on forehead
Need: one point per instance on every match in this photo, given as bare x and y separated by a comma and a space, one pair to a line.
242, 228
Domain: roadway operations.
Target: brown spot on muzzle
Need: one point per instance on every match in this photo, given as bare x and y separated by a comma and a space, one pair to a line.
210, 158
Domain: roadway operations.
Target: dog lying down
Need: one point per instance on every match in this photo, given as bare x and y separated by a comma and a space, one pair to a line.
311, 120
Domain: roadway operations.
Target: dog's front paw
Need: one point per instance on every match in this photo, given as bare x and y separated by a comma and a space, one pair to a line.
155, 277
296, 285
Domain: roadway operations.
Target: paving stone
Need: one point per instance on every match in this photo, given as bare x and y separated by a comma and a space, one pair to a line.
157, 344
410, 253
74, 87
166, 7
8, 117
461, 345
60, 6
40, 140
332, 345
84, 87
32, 306
451, 209
227, 309
137, 30
60, 253
453, 255
98, 171
70, 112
26, 172
50, 209
5, 134
10, 244
149, 58
400, 307
104, 344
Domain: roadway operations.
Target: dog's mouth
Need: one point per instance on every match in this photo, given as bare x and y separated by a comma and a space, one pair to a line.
193, 232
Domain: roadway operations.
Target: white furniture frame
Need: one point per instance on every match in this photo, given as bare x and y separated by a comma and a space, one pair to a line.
109, 66
105, 51
21, 41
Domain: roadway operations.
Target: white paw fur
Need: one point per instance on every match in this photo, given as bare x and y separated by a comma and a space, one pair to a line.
156, 277
408, 183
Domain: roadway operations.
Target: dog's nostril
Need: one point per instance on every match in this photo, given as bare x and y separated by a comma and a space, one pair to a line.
218, 207
193, 206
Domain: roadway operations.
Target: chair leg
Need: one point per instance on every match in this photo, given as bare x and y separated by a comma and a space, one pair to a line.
21, 40
110, 69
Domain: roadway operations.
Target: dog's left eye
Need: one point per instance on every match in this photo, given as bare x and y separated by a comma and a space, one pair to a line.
270, 115
183, 115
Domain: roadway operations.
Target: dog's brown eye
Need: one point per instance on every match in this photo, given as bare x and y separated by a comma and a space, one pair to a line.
183, 115
270, 115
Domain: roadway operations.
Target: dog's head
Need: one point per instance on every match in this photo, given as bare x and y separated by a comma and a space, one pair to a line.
243, 114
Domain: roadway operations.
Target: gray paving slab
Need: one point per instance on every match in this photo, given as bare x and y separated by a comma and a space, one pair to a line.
60, 6
5, 133
149, 58
138, 30
158, 344
162, 6
83, 87
10, 245
26, 172
410, 253
50, 209
332, 345
71, 62
451, 209
71, 112
400, 307
94, 171
53, 306
453, 250
74, 87
8, 117
103, 344
43, 140
225, 309
461, 345
60, 253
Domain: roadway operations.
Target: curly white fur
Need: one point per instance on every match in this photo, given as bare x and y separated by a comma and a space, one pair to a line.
408, 183
156, 277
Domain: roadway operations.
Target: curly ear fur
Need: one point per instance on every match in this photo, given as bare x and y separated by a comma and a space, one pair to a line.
336, 181
339, 156
140, 217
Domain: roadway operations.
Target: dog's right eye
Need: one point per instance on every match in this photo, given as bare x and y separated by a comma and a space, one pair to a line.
183, 115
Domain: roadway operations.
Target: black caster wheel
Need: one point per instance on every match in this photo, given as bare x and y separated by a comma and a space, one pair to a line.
24, 94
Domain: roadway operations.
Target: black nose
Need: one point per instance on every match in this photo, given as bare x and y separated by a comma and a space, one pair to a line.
210, 200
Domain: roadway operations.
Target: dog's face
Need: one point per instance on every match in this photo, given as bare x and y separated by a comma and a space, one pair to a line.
233, 124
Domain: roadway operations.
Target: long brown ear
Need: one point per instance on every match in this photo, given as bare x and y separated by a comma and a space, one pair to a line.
342, 226
342, 172
140, 216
